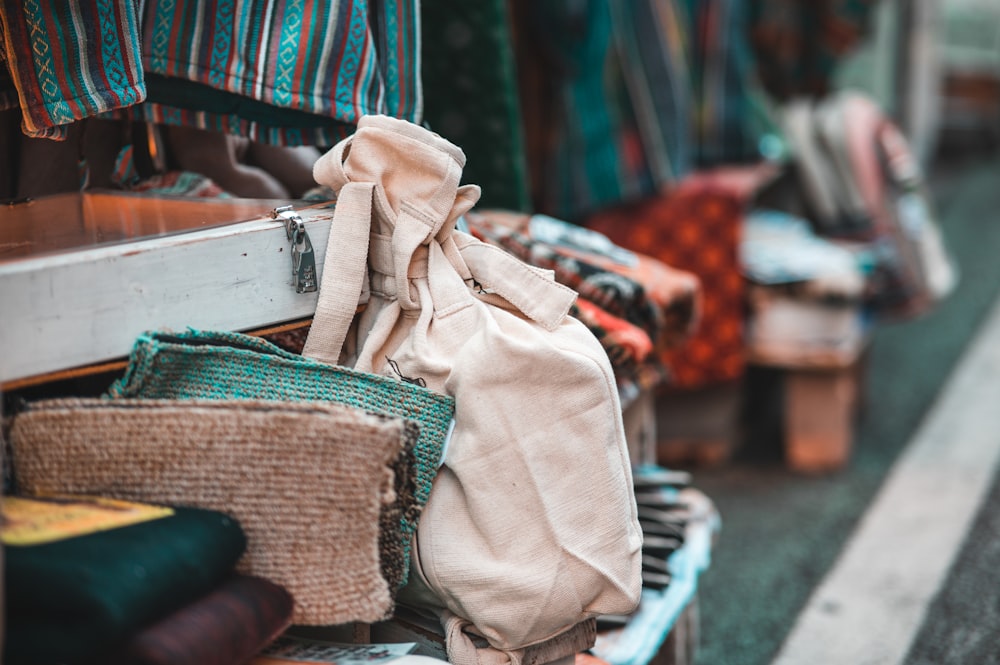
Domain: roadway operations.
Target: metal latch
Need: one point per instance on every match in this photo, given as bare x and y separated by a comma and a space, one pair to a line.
303, 258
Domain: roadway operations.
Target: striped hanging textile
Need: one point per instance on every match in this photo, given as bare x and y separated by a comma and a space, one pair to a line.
69, 59
650, 35
471, 94
589, 152
288, 72
798, 43
620, 98
723, 80
281, 71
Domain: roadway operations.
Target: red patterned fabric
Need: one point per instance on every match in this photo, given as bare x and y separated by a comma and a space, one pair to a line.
632, 340
695, 228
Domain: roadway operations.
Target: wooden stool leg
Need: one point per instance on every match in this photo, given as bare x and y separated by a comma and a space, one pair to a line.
639, 419
681, 645
819, 418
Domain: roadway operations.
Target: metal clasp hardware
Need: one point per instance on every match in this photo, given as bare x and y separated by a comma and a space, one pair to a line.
303, 258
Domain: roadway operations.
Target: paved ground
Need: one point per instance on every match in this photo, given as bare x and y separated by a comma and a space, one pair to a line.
963, 623
782, 533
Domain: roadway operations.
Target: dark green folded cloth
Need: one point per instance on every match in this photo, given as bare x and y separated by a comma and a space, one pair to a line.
73, 600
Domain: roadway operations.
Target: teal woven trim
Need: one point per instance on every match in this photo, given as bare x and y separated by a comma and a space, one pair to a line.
223, 365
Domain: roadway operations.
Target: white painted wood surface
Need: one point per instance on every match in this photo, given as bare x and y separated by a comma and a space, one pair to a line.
77, 308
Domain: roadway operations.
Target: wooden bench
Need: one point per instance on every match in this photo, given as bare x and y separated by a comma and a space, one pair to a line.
821, 398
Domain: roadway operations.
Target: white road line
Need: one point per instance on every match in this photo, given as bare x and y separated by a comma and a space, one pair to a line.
870, 606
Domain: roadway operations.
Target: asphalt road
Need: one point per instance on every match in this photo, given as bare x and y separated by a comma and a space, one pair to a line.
781, 532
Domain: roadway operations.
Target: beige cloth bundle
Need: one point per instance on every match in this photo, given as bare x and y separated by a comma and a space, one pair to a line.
531, 525
307, 481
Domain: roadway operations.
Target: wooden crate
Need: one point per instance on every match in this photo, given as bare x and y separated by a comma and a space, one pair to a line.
818, 411
819, 349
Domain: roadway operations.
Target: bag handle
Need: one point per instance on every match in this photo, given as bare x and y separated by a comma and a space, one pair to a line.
345, 265
463, 651
416, 223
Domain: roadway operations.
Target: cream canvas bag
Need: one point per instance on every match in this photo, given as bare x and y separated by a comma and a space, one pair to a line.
531, 524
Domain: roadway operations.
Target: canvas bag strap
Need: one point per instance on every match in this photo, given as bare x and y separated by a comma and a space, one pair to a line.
532, 291
345, 264
463, 651
413, 228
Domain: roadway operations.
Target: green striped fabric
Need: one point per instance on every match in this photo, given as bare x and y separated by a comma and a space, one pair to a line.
70, 59
280, 71
644, 92
471, 94
289, 72
723, 81
622, 102
653, 42
596, 155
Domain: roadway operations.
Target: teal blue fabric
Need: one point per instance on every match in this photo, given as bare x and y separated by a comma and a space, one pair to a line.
471, 96
596, 156
723, 82
224, 365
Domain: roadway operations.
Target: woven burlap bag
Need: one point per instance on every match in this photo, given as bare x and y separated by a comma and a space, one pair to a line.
209, 364
531, 525
307, 481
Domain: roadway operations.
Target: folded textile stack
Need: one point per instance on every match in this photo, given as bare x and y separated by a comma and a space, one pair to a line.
862, 186
694, 228
680, 525
805, 294
91, 578
634, 304
229, 366
319, 496
307, 481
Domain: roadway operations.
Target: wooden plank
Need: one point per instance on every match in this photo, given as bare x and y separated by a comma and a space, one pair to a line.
639, 418
820, 414
75, 221
77, 308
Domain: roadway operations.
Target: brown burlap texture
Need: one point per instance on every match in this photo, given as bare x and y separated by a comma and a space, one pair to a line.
307, 481
404, 507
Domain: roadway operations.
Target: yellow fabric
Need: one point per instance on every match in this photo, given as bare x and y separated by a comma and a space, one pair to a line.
38, 520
